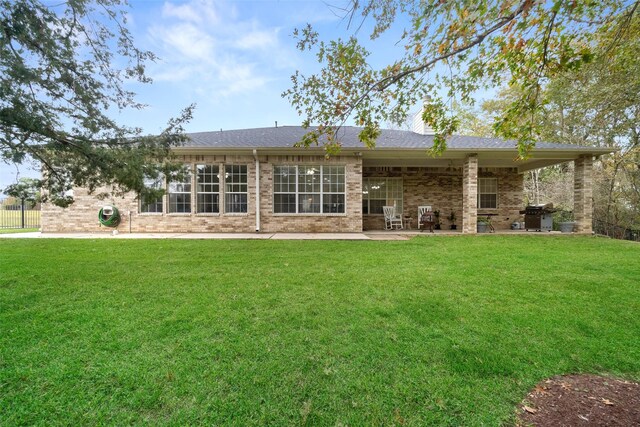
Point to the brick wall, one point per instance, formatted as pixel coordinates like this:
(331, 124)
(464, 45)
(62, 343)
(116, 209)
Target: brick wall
(470, 194)
(510, 196)
(82, 216)
(441, 188)
(350, 221)
(583, 194)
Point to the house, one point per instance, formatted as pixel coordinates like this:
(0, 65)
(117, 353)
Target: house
(255, 180)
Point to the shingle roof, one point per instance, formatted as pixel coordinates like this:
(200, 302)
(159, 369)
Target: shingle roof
(287, 136)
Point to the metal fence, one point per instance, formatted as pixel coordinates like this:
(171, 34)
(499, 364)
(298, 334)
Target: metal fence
(15, 213)
(615, 231)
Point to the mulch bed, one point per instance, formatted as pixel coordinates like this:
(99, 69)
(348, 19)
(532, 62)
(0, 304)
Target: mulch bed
(581, 400)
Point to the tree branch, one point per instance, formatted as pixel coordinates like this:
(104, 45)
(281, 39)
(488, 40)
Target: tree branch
(387, 82)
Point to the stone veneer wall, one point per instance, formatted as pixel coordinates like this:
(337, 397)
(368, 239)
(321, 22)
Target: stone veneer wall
(441, 188)
(82, 216)
(583, 194)
(470, 194)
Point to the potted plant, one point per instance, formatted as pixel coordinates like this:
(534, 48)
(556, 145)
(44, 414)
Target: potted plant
(452, 220)
(566, 221)
(436, 214)
(483, 224)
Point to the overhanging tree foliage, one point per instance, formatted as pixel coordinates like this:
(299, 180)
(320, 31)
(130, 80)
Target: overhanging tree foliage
(63, 69)
(450, 49)
(597, 105)
(26, 189)
(600, 105)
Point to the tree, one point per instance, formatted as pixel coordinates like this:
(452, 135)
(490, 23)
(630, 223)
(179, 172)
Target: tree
(450, 49)
(25, 189)
(473, 121)
(598, 105)
(63, 69)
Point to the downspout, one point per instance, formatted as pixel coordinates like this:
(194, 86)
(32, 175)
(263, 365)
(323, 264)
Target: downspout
(255, 156)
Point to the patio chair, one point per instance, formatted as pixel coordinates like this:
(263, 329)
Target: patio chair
(391, 219)
(425, 218)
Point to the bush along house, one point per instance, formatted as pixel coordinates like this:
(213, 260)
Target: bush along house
(254, 180)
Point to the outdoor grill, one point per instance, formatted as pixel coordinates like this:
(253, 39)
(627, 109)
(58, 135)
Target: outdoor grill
(538, 217)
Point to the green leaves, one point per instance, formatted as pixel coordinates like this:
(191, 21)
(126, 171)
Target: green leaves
(327, 99)
(447, 51)
(62, 67)
(25, 189)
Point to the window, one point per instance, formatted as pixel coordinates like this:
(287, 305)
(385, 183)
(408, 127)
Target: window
(487, 193)
(284, 189)
(152, 205)
(379, 192)
(180, 195)
(333, 189)
(309, 189)
(235, 194)
(207, 189)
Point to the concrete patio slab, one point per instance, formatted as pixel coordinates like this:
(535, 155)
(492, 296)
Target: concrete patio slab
(368, 235)
(252, 236)
(201, 236)
(38, 235)
(387, 236)
(319, 236)
(29, 235)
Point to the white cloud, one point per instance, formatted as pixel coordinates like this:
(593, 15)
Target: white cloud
(210, 48)
(186, 40)
(258, 39)
(240, 77)
(196, 11)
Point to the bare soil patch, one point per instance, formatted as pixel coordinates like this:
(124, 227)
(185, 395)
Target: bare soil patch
(581, 400)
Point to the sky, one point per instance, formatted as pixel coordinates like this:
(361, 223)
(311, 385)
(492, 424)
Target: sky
(233, 59)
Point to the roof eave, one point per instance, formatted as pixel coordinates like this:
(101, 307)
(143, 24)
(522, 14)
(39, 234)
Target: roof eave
(561, 153)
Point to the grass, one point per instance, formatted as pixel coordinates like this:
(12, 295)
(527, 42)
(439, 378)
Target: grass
(10, 218)
(432, 331)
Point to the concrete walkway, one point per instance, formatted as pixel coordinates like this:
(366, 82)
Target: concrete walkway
(368, 235)
(273, 236)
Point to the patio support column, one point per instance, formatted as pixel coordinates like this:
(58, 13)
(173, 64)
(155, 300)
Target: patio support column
(582, 193)
(470, 194)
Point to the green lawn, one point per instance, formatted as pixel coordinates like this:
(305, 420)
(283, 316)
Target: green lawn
(432, 331)
(14, 218)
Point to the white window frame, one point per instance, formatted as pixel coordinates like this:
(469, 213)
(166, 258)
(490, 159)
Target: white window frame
(324, 172)
(158, 184)
(235, 186)
(178, 188)
(292, 172)
(215, 173)
(334, 188)
(393, 189)
(487, 186)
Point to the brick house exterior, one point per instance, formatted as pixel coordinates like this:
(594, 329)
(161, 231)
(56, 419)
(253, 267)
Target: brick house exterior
(264, 184)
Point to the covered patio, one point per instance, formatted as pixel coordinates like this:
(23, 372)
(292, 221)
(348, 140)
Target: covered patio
(467, 182)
